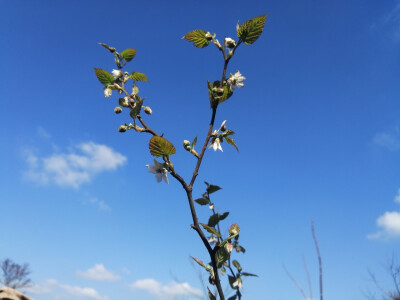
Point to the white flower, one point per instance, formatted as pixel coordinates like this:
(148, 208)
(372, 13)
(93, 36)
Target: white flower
(238, 283)
(159, 170)
(107, 92)
(230, 43)
(213, 239)
(236, 81)
(216, 144)
(117, 73)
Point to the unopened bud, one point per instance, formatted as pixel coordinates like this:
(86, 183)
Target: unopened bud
(186, 145)
(208, 36)
(124, 102)
(148, 110)
(118, 110)
(229, 43)
(117, 73)
(228, 247)
(122, 128)
(116, 86)
(223, 127)
(234, 229)
(220, 91)
(211, 206)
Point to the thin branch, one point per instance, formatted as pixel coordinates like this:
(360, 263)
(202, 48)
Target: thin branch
(296, 283)
(308, 277)
(321, 294)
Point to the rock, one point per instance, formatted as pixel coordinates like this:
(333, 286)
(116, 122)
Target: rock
(7, 293)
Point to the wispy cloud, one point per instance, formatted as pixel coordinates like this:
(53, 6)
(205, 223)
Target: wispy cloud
(84, 292)
(40, 289)
(388, 140)
(389, 224)
(99, 273)
(101, 205)
(165, 291)
(74, 168)
(391, 21)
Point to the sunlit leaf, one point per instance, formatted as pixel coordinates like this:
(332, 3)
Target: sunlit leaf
(103, 76)
(237, 265)
(221, 256)
(194, 142)
(198, 37)
(210, 230)
(251, 30)
(212, 188)
(128, 54)
(138, 76)
(160, 146)
(230, 141)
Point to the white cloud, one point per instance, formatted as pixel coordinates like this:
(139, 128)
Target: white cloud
(40, 289)
(74, 168)
(100, 273)
(167, 291)
(387, 140)
(85, 292)
(389, 224)
(99, 203)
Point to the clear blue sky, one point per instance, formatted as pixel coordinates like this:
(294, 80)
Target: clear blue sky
(317, 125)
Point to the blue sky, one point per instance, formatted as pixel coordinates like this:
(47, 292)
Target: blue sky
(317, 125)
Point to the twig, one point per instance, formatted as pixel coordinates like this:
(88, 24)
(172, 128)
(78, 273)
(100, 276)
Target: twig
(321, 294)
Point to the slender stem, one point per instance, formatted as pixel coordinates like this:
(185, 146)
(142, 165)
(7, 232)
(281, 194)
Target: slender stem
(321, 294)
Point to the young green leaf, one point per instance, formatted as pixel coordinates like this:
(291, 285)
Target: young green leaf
(198, 37)
(230, 141)
(135, 111)
(213, 220)
(194, 142)
(199, 262)
(233, 297)
(221, 256)
(240, 249)
(251, 30)
(160, 146)
(128, 54)
(223, 216)
(103, 76)
(202, 201)
(111, 49)
(212, 188)
(231, 281)
(138, 76)
(237, 265)
(210, 230)
(249, 274)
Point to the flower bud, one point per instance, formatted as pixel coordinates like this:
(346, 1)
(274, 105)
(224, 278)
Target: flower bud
(220, 91)
(208, 36)
(228, 247)
(124, 102)
(118, 110)
(186, 145)
(234, 229)
(223, 127)
(122, 128)
(107, 92)
(116, 86)
(229, 43)
(211, 206)
(117, 73)
(148, 110)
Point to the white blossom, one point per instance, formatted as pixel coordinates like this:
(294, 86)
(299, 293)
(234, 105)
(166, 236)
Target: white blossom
(107, 92)
(236, 80)
(216, 144)
(238, 283)
(213, 239)
(230, 43)
(159, 171)
(117, 73)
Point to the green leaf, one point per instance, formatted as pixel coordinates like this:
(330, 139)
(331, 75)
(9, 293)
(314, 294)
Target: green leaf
(202, 201)
(199, 262)
(210, 295)
(128, 54)
(223, 216)
(240, 249)
(212, 92)
(251, 30)
(138, 76)
(210, 230)
(237, 265)
(103, 76)
(159, 146)
(213, 220)
(223, 270)
(230, 141)
(221, 256)
(194, 142)
(212, 188)
(233, 297)
(249, 274)
(198, 37)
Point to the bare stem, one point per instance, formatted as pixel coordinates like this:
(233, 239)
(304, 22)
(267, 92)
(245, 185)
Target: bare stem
(321, 294)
